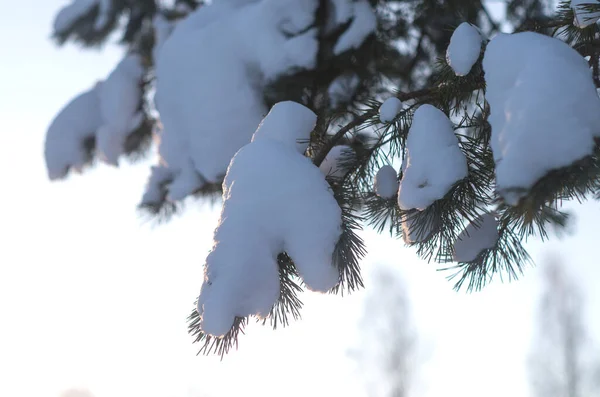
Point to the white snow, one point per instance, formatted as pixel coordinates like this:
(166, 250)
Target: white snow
(211, 101)
(364, 23)
(386, 182)
(389, 109)
(301, 218)
(120, 98)
(479, 235)
(544, 109)
(333, 163)
(435, 161)
(582, 17)
(464, 48)
(75, 123)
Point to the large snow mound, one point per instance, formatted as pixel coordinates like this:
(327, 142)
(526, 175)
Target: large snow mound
(275, 200)
(479, 235)
(210, 100)
(435, 160)
(464, 48)
(77, 122)
(545, 110)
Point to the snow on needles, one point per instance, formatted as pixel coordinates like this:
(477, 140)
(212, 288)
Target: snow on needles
(435, 160)
(464, 48)
(300, 217)
(583, 18)
(545, 111)
(479, 235)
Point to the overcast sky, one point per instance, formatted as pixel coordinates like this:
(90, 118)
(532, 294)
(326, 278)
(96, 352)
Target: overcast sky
(93, 298)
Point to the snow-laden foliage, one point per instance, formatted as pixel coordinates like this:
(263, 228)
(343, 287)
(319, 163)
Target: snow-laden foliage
(435, 161)
(464, 48)
(103, 119)
(507, 126)
(264, 40)
(70, 133)
(301, 218)
(480, 234)
(544, 109)
(584, 18)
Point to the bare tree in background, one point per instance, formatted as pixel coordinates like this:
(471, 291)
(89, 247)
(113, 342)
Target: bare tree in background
(388, 339)
(562, 359)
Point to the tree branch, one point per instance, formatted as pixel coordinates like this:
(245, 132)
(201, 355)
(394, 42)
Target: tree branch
(358, 120)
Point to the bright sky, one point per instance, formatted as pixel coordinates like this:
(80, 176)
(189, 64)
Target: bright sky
(91, 297)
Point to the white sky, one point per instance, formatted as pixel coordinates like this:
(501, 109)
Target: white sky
(92, 297)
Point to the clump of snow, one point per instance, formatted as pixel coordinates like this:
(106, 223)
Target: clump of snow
(120, 99)
(435, 160)
(533, 132)
(464, 48)
(364, 23)
(389, 109)
(479, 235)
(73, 125)
(386, 182)
(583, 18)
(78, 9)
(211, 101)
(301, 218)
(342, 89)
(333, 165)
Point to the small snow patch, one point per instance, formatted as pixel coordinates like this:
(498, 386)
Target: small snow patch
(386, 182)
